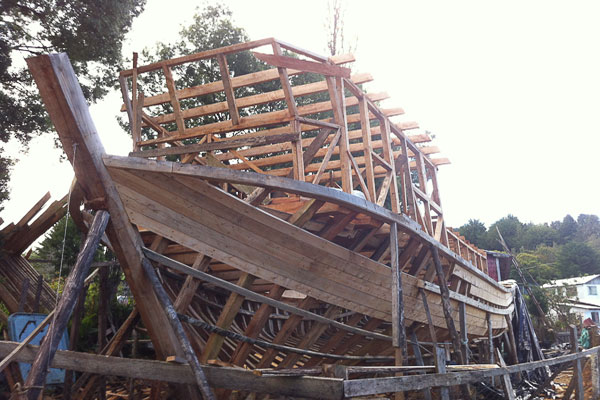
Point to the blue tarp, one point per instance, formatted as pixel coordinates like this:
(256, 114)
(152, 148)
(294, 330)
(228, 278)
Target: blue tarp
(20, 325)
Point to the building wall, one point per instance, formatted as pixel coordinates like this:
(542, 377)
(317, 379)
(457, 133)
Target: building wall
(589, 292)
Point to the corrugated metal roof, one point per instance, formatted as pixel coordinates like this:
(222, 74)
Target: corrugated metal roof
(580, 280)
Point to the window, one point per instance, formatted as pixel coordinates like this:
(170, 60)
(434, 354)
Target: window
(592, 290)
(595, 317)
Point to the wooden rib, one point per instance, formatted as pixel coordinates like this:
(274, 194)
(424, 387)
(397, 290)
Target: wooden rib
(174, 100)
(228, 88)
(286, 330)
(33, 211)
(388, 156)
(137, 137)
(303, 65)
(337, 101)
(317, 177)
(230, 310)
(365, 125)
(310, 337)
(190, 286)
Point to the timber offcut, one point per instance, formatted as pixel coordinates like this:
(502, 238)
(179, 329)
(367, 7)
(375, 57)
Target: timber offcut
(265, 222)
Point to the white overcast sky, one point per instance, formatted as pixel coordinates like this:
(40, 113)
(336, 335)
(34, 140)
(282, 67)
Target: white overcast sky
(511, 89)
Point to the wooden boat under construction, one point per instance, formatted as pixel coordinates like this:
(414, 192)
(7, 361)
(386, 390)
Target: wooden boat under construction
(289, 228)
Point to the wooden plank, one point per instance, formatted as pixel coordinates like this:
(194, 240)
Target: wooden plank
(228, 88)
(303, 65)
(302, 188)
(366, 387)
(73, 285)
(419, 360)
(223, 377)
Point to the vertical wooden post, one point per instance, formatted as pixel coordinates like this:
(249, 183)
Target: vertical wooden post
(440, 357)
(73, 287)
(464, 338)
(102, 323)
(398, 331)
(490, 343)
(577, 368)
(338, 103)
(595, 367)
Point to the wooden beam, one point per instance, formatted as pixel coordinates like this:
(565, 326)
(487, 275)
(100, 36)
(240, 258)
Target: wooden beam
(303, 65)
(399, 334)
(69, 112)
(509, 393)
(229, 95)
(223, 377)
(285, 82)
(73, 286)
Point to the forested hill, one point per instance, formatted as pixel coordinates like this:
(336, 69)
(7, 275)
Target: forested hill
(560, 249)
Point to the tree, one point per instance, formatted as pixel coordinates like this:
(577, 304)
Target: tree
(533, 235)
(336, 36)
(474, 231)
(567, 229)
(91, 32)
(577, 258)
(510, 227)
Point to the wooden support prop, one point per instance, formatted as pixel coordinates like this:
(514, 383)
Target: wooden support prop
(190, 356)
(303, 65)
(490, 343)
(464, 338)
(419, 359)
(399, 334)
(509, 393)
(103, 309)
(73, 286)
(440, 362)
(38, 293)
(577, 364)
(511, 338)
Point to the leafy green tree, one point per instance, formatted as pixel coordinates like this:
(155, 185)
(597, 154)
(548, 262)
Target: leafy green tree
(533, 235)
(567, 229)
(91, 32)
(588, 227)
(576, 259)
(475, 232)
(510, 227)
